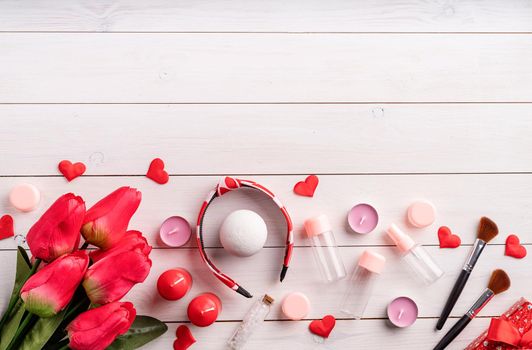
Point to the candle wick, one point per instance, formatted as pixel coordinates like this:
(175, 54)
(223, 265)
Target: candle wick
(401, 312)
(173, 231)
(362, 219)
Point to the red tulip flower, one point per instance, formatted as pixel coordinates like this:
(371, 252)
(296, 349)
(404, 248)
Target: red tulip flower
(132, 240)
(109, 279)
(49, 290)
(106, 222)
(57, 231)
(97, 328)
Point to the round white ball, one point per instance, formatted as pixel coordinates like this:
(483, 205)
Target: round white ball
(243, 233)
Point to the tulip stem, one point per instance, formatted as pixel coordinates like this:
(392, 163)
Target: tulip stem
(34, 267)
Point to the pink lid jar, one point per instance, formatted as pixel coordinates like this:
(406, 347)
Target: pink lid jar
(365, 274)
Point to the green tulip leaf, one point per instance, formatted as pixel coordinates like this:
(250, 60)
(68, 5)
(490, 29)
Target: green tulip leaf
(143, 330)
(22, 273)
(10, 328)
(9, 323)
(24, 255)
(39, 334)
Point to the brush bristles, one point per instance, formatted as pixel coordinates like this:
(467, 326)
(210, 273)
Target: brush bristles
(487, 229)
(499, 281)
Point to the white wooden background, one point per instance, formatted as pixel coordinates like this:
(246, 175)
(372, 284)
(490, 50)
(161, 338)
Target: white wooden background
(387, 101)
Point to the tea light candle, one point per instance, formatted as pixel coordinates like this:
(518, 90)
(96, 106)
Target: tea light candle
(175, 231)
(363, 218)
(402, 312)
(421, 214)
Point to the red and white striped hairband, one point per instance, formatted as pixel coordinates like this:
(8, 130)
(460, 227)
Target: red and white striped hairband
(225, 185)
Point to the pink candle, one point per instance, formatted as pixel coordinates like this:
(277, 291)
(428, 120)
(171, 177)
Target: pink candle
(175, 231)
(363, 218)
(402, 312)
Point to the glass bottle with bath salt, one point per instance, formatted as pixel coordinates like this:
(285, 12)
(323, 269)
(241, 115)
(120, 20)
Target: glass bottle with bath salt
(251, 322)
(361, 285)
(420, 262)
(325, 250)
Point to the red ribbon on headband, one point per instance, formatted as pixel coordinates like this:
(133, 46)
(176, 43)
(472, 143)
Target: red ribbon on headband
(504, 331)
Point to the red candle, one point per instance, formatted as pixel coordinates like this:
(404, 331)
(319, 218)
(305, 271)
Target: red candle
(204, 309)
(174, 284)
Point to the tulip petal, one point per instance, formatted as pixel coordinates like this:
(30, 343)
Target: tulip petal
(57, 231)
(50, 289)
(97, 328)
(132, 240)
(111, 278)
(106, 222)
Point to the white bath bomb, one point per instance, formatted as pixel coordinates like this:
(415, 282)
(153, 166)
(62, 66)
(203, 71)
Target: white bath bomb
(243, 233)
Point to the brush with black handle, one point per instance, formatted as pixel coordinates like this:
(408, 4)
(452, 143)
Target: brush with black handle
(487, 230)
(499, 282)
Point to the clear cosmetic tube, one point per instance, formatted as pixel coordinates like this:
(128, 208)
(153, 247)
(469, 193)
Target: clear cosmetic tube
(325, 250)
(361, 285)
(421, 263)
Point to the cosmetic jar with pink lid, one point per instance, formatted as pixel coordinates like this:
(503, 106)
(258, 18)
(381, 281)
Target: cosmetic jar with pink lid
(326, 252)
(421, 263)
(365, 274)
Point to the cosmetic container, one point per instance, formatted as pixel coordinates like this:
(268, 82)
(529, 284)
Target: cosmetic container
(421, 263)
(252, 320)
(325, 250)
(361, 285)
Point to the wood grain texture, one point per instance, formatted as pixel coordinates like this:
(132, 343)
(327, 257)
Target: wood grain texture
(346, 335)
(460, 201)
(269, 16)
(272, 68)
(260, 274)
(268, 139)
(387, 101)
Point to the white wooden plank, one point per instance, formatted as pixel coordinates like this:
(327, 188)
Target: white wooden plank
(460, 201)
(293, 16)
(267, 139)
(366, 334)
(264, 68)
(260, 274)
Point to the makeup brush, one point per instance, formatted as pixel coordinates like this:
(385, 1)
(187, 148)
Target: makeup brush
(499, 282)
(487, 230)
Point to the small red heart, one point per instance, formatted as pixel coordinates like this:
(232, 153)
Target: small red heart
(514, 247)
(184, 338)
(447, 239)
(156, 171)
(323, 327)
(6, 227)
(71, 171)
(307, 187)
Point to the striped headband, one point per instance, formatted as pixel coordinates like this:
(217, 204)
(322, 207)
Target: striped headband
(225, 185)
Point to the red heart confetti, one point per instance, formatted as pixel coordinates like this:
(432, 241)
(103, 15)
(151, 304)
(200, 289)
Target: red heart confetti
(447, 239)
(184, 338)
(323, 327)
(156, 171)
(514, 247)
(308, 187)
(6, 227)
(71, 171)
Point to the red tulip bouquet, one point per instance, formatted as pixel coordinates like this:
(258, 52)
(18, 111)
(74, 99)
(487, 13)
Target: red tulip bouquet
(67, 298)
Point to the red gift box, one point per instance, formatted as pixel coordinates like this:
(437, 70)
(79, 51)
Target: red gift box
(510, 331)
